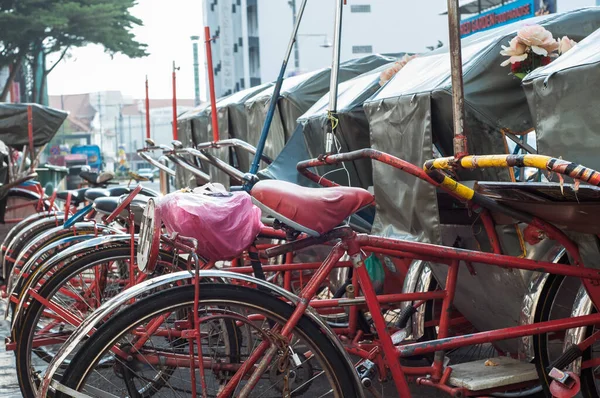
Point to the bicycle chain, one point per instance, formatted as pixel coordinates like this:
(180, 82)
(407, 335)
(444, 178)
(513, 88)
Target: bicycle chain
(283, 364)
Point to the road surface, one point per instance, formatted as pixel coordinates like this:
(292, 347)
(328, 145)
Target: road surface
(9, 388)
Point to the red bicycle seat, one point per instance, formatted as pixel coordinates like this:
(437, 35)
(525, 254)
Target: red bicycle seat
(314, 211)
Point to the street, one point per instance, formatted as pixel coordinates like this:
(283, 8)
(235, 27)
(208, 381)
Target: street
(9, 388)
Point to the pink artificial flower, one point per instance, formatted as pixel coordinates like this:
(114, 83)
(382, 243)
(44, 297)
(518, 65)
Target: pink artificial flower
(565, 44)
(538, 38)
(517, 52)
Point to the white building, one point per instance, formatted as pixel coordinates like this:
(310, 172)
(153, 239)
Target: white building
(568, 5)
(252, 35)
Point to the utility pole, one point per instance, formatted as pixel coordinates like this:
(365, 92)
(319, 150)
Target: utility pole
(62, 128)
(117, 138)
(131, 146)
(175, 69)
(100, 121)
(292, 4)
(195, 40)
(147, 103)
(143, 129)
(121, 132)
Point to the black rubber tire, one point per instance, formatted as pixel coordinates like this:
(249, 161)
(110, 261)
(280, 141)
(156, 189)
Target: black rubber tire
(540, 342)
(30, 235)
(30, 318)
(168, 300)
(588, 379)
(65, 233)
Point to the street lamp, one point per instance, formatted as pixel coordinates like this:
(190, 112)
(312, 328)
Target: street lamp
(326, 42)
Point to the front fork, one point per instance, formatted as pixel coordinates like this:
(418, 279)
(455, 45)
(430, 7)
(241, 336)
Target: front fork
(358, 260)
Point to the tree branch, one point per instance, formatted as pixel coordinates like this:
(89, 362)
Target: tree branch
(58, 61)
(11, 77)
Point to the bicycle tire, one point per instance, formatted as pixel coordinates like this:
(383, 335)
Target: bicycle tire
(28, 235)
(540, 342)
(32, 313)
(221, 295)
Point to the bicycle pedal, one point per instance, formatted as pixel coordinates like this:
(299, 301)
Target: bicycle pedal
(364, 369)
(368, 385)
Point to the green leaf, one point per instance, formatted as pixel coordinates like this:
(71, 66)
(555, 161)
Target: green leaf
(520, 75)
(53, 25)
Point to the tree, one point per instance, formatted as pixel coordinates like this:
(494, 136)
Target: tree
(33, 29)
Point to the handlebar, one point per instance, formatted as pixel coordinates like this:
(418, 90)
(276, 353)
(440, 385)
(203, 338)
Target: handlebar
(328, 160)
(201, 153)
(432, 173)
(156, 163)
(154, 147)
(218, 163)
(181, 162)
(541, 162)
(236, 143)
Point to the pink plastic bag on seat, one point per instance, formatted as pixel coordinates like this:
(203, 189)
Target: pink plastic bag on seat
(224, 223)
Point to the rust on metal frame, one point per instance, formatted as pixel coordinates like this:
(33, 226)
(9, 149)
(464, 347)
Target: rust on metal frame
(458, 97)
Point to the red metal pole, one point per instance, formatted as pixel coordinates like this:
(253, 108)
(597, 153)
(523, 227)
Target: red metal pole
(211, 84)
(174, 101)
(147, 110)
(30, 135)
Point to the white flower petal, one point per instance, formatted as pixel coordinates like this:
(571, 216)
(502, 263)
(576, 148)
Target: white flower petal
(539, 50)
(518, 58)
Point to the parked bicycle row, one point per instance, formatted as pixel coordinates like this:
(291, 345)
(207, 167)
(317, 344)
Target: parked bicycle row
(282, 273)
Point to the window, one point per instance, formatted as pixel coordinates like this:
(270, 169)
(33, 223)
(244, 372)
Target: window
(362, 49)
(360, 8)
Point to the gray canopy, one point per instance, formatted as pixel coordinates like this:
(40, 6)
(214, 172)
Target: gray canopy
(14, 126)
(234, 107)
(352, 131)
(195, 127)
(190, 126)
(565, 105)
(414, 111)
(298, 94)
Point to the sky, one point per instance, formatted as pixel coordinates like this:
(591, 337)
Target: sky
(168, 25)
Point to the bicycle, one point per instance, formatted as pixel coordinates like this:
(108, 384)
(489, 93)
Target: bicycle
(276, 349)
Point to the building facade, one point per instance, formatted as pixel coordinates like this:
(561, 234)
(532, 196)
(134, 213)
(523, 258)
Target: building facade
(115, 122)
(251, 36)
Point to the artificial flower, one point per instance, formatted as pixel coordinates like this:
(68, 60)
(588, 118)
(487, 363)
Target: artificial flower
(538, 38)
(517, 52)
(565, 44)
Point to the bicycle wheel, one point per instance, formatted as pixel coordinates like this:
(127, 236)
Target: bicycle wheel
(26, 236)
(556, 302)
(14, 231)
(79, 287)
(309, 365)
